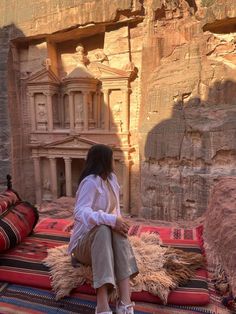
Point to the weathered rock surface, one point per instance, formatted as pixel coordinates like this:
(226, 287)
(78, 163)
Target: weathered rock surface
(183, 100)
(188, 112)
(221, 237)
(46, 16)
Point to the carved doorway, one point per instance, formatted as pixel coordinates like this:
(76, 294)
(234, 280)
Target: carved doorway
(76, 168)
(61, 179)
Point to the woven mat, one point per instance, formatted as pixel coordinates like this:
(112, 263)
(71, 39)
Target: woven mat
(20, 299)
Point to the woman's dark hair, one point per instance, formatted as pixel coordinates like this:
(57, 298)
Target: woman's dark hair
(98, 162)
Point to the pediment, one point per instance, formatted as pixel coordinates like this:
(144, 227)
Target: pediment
(72, 142)
(43, 76)
(106, 72)
(80, 72)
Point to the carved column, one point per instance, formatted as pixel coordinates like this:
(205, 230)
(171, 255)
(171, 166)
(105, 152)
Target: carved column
(32, 111)
(85, 101)
(53, 176)
(126, 184)
(68, 162)
(98, 97)
(49, 111)
(62, 113)
(126, 111)
(37, 176)
(92, 110)
(71, 111)
(106, 109)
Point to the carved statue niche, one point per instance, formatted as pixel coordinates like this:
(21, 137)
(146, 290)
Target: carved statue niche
(41, 112)
(56, 110)
(116, 102)
(66, 115)
(79, 110)
(92, 110)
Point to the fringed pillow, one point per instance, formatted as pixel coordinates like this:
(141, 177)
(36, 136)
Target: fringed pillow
(16, 222)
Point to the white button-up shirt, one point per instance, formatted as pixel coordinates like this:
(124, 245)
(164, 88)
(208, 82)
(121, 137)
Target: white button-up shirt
(92, 206)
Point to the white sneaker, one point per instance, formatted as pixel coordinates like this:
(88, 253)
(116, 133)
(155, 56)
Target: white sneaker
(121, 308)
(108, 312)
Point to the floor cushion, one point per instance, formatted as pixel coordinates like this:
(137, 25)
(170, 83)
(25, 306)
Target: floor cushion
(54, 224)
(16, 223)
(7, 199)
(23, 264)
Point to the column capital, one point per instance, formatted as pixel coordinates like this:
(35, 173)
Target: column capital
(124, 161)
(105, 91)
(30, 94)
(127, 90)
(48, 93)
(67, 158)
(36, 157)
(85, 92)
(51, 157)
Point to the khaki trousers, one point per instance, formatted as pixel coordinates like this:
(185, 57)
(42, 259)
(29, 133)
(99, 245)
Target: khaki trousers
(110, 255)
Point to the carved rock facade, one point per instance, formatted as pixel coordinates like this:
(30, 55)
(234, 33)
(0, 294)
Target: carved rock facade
(89, 104)
(155, 79)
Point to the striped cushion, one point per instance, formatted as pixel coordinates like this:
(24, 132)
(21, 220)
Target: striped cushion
(16, 223)
(7, 199)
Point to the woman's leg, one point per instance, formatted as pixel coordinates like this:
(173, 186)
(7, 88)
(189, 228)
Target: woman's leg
(124, 291)
(102, 299)
(95, 249)
(103, 266)
(125, 265)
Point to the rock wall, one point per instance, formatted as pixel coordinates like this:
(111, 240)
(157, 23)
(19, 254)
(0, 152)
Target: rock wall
(220, 237)
(188, 111)
(4, 120)
(183, 110)
(46, 16)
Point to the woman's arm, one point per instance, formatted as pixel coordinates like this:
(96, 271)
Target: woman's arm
(83, 207)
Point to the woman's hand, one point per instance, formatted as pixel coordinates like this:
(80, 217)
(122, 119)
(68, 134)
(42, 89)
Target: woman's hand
(121, 226)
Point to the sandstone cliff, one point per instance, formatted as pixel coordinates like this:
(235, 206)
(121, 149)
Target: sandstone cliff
(182, 105)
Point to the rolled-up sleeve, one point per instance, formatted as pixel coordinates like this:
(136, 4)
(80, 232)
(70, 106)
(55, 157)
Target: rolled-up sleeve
(83, 208)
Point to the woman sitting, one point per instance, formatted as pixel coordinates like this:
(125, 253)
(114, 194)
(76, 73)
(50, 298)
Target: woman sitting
(99, 237)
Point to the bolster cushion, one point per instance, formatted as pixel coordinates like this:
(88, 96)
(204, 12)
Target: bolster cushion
(16, 223)
(8, 198)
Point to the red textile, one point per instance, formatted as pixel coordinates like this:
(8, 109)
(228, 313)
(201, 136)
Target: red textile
(7, 199)
(23, 264)
(16, 223)
(54, 224)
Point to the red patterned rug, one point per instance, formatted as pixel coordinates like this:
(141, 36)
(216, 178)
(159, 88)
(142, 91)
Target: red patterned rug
(23, 264)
